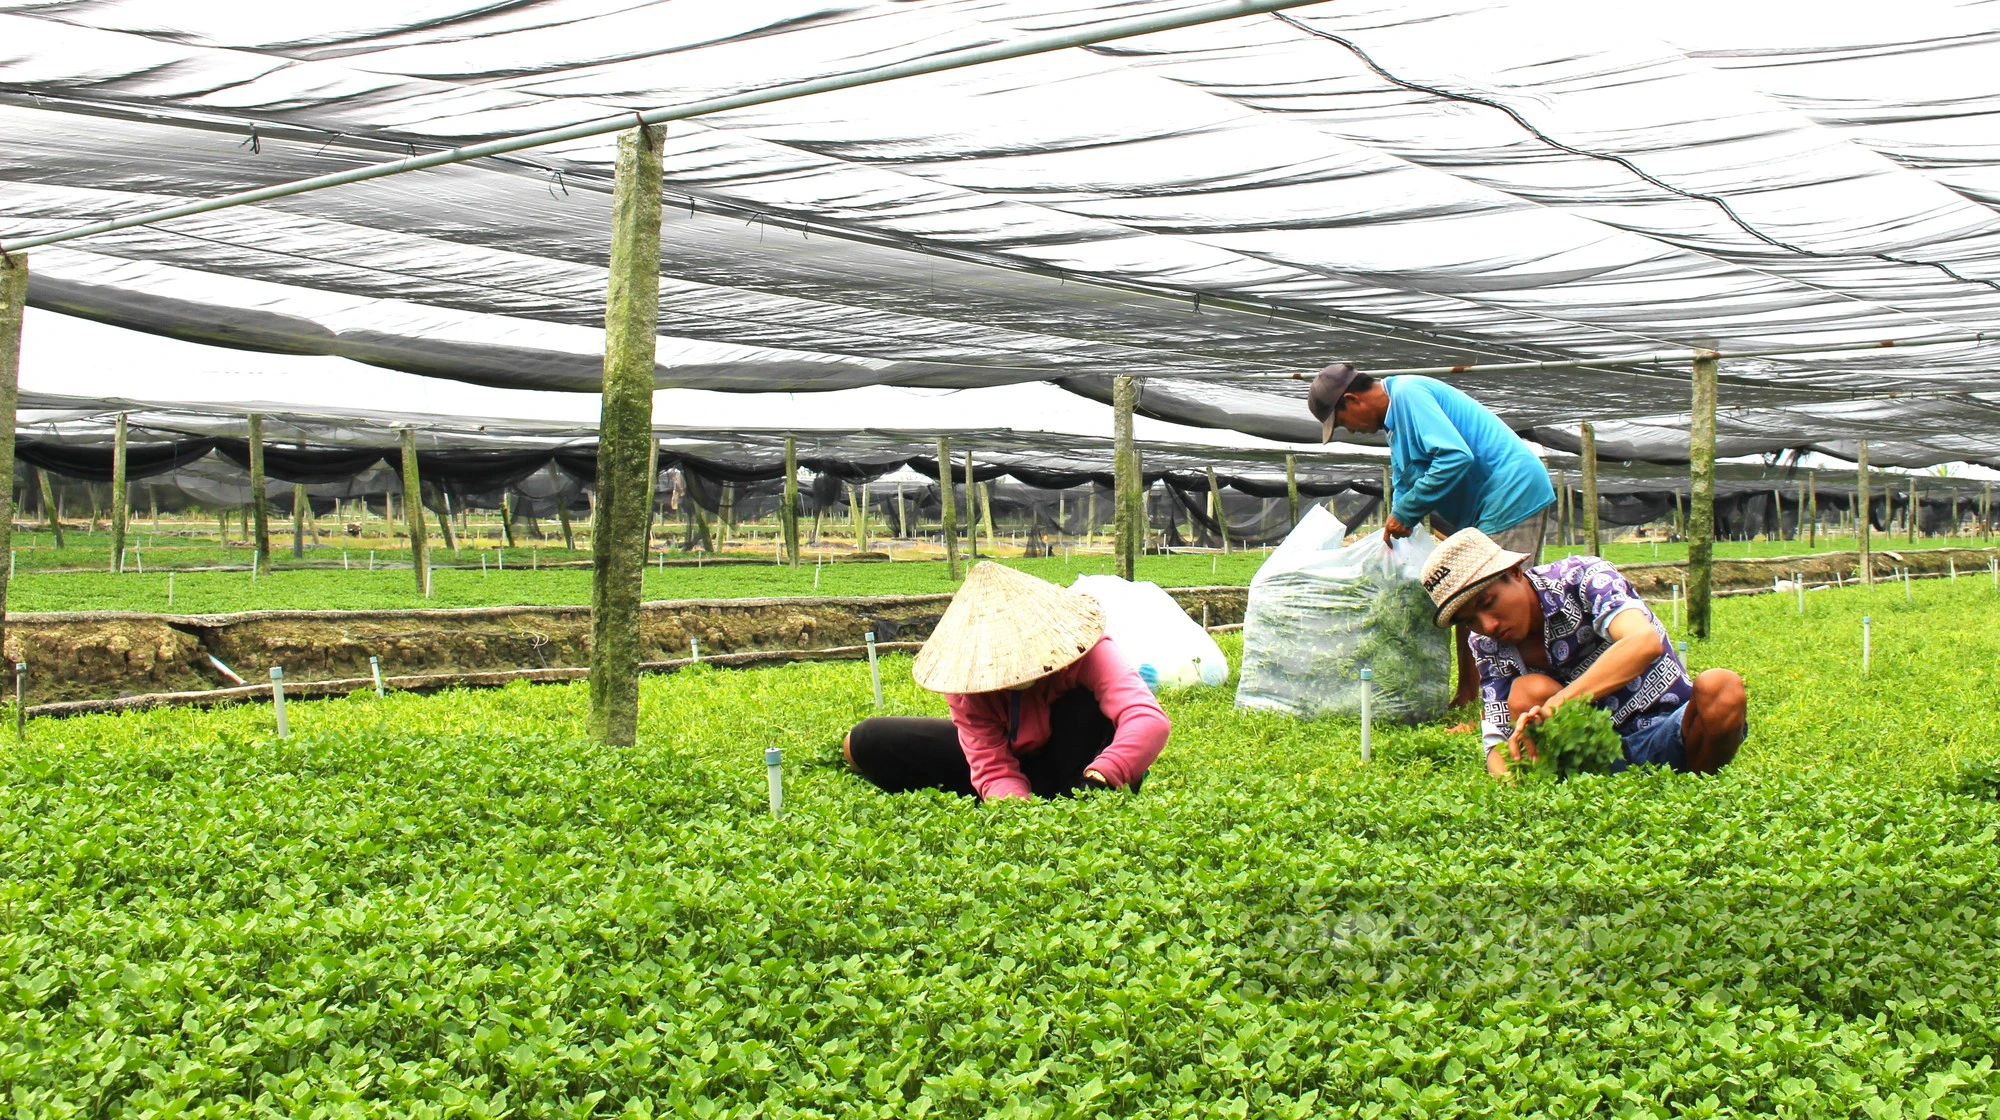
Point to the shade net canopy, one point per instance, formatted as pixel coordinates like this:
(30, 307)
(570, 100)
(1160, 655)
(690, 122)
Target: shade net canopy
(1397, 184)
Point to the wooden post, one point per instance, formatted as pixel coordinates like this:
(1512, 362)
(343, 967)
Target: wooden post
(1388, 493)
(902, 516)
(153, 493)
(1564, 522)
(413, 511)
(444, 523)
(857, 506)
(1292, 488)
(13, 302)
(1862, 522)
(1812, 509)
(948, 503)
(507, 519)
(627, 464)
(1910, 516)
(1986, 512)
(1215, 508)
(986, 516)
(727, 514)
(298, 520)
(260, 522)
(54, 510)
(626, 449)
(562, 516)
(1701, 495)
(1125, 475)
(971, 509)
(1590, 526)
(789, 516)
(119, 496)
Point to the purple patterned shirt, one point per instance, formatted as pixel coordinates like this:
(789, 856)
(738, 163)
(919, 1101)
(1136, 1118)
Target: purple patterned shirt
(1580, 596)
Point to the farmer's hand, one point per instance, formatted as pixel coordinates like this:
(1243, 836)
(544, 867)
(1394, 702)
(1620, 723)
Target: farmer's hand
(1519, 743)
(1394, 529)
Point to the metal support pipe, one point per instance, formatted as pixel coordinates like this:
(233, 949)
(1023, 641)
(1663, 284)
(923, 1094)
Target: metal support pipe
(1701, 494)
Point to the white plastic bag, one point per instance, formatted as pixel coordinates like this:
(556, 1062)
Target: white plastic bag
(1321, 611)
(1169, 649)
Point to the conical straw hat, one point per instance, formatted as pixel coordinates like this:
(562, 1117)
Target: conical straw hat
(1006, 628)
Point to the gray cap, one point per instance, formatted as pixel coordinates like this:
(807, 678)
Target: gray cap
(1323, 399)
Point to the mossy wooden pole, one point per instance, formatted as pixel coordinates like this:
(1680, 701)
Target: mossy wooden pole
(260, 522)
(1701, 495)
(1862, 522)
(1986, 512)
(626, 445)
(507, 519)
(1388, 493)
(1125, 468)
(986, 516)
(1292, 488)
(413, 511)
(13, 301)
(1590, 526)
(1809, 510)
(54, 509)
(789, 516)
(1215, 509)
(298, 520)
(947, 508)
(652, 485)
(119, 496)
(444, 523)
(1911, 515)
(857, 505)
(971, 509)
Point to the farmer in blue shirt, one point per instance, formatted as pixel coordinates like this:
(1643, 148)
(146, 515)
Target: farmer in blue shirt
(1449, 459)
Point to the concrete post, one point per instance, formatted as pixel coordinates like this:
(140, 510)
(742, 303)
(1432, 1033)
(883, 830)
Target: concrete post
(1701, 495)
(626, 446)
(120, 497)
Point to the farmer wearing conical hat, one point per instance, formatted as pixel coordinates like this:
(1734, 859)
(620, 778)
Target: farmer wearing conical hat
(1042, 702)
(1543, 636)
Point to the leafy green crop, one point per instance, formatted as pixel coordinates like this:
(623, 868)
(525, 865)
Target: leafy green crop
(1976, 778)
(1578, 739)
(454, 905)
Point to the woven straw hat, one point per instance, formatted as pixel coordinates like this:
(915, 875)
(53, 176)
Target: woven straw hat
(1467, 561)
(1006, 628)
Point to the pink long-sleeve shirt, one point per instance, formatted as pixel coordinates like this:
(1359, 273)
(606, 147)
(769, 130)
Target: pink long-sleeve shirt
(982, 719)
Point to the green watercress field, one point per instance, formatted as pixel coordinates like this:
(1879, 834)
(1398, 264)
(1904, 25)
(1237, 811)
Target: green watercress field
(455, 906)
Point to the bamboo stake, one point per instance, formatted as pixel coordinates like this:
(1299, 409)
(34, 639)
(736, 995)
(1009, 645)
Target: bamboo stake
(1701, 495)
(621, 529)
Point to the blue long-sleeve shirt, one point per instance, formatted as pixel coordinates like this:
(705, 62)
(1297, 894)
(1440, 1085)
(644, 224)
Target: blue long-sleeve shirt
(1448, 455)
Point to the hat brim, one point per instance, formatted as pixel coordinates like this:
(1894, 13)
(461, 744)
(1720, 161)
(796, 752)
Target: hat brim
(1498, 565)
(1327, 426)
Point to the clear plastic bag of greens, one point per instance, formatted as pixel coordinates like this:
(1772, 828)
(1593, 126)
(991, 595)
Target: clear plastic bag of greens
(1321, 611)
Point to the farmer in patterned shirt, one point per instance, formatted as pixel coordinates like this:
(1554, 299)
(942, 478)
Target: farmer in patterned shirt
(1545, 635)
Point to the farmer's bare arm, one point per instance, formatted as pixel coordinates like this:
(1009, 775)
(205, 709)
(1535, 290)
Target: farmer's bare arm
(1634, 646)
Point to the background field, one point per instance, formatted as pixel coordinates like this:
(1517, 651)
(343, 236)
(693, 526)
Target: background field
(453, 905)
(84, 585)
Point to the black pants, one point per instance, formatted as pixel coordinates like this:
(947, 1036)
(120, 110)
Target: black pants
(899, 753)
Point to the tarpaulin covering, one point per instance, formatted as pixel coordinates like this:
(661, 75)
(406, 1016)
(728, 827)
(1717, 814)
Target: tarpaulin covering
(1413, 183)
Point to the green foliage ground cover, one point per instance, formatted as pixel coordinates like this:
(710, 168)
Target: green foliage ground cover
(451, 905)
(359, 589)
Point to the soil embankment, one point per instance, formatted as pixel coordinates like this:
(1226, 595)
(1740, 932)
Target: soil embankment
(104, 656)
